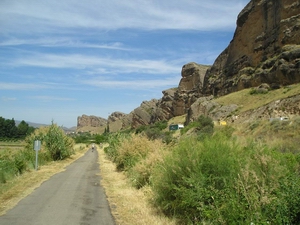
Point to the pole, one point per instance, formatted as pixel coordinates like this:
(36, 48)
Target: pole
(36, 159)
(37, 147)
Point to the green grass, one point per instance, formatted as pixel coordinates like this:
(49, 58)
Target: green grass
(219, 181)
(247, 101)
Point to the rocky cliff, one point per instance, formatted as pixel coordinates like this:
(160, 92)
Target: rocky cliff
(119, 121)
(265, 49)
(90, 121)
(175, 101)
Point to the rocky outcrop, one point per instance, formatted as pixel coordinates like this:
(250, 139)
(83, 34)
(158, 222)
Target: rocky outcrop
(177, 101)
(208, 107)
(264, 53)
(143, 115)
(90, 121)
(265, 49)
(119, 121)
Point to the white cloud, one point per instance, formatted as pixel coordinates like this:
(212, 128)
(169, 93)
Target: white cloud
(8, 99)
(62, 42)
(114, 14)
(98, 64)
(21, 86)
(137, 84)
(51, 98)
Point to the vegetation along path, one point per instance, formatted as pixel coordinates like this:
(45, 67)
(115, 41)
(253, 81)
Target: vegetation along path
(70, 197)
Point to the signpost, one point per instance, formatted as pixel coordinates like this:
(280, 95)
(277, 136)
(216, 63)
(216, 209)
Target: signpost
(37, 147)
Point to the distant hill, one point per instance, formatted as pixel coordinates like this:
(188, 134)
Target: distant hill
(38, 125)
(35, 125)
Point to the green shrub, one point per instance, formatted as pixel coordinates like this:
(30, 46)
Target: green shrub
(20, 163)
(192, 177)
(217, 181)
(55, 144)
(203, 127)
(2, 177)
(114, 140)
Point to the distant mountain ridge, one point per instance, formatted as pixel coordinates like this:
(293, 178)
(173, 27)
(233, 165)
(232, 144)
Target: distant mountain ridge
(32, 124)
(38, 125)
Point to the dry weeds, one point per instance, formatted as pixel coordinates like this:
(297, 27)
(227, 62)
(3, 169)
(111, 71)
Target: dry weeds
(129, 205)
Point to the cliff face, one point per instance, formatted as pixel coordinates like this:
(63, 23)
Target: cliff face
(265, 49)
(177, 101)
(90, 121)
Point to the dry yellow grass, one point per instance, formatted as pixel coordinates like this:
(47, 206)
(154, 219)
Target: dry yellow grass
(15, 190)
(129, 205)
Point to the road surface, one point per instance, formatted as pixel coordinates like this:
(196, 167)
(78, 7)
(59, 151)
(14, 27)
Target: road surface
(71, 197)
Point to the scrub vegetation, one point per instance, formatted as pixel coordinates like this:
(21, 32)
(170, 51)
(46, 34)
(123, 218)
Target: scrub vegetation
(55, 146)
(212, 174)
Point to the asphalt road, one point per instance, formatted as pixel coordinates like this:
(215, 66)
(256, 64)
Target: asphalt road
(71, 197)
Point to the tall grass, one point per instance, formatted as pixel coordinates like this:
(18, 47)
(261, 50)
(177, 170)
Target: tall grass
(137, 156)
(218, 181)
(14, 163)
(55, 146)
(217, 178)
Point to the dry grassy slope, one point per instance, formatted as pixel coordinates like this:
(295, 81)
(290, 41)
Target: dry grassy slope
(246, 101)
(93, 130)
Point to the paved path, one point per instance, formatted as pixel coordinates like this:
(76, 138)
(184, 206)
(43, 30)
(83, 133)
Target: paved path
(68, 198)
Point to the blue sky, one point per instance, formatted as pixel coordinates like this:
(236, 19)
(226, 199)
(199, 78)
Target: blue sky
(60, 59)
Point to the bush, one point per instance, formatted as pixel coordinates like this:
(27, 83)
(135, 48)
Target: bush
(141, 172)
(136, 155)
(131, 150)
(203, 127)
(12, 165)
(55, 144)
(114, 140)
(217, 181)
(156, 131)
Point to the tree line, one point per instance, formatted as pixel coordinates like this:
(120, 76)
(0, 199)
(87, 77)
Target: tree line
(9, 129)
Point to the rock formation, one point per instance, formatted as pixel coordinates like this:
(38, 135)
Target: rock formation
(265, 49)
(144, 113)
(264, 53)
(206, 106)
(177, 101)
(90, 121)
(119, 121)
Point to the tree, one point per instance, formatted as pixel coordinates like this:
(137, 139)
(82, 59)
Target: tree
(23, 129)
(57, 143)
(2, 128)
(10, 128)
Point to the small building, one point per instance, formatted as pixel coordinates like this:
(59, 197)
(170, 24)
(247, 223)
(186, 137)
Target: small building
(176, 126)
